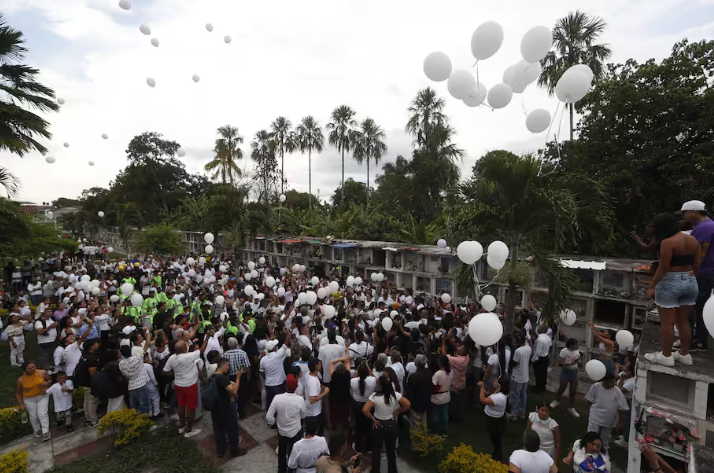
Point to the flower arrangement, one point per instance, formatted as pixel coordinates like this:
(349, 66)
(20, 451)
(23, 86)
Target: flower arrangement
(463, 459)
(426, 443)
(15, 461)
(126, 425)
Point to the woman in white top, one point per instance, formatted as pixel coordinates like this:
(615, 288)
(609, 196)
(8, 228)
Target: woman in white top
(586, 456)
(532, 459)
(547, 429)
(387, 406)
(362, 387)
(441, 396)
(495, 411)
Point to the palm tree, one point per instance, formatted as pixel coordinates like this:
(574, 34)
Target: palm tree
(368, 144)
(340, 127)
(263, 149)
(284, 138)
(227, 151)
(19, 127)
(9, 182)
(309, 137)
(425, 113)
(573, 43)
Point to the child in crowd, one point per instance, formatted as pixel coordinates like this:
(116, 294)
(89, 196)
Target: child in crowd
(155, 412)
(605, 404)
(61, 393)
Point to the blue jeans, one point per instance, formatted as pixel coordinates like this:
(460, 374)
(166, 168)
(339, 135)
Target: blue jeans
(139, 399)
(518, 397)
(677, 289)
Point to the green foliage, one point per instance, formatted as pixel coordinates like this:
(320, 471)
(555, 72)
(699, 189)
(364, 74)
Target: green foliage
(354, 192)
(25, 234)
(299, 200)
(426, 443)
(126, 425)
(15, 461)
(161, 240)
(11, 426)
(462, 459)
(227, 152)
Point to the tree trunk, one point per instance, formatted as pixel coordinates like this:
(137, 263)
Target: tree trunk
(309, 177)
(343, 174)
(512, 290)
(368, 181)
(282, 171)
(572, 108)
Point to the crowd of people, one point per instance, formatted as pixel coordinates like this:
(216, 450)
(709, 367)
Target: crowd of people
(336, 373)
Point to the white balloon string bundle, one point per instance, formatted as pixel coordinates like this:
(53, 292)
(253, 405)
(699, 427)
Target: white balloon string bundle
(523, 105)
(478, 287)
(556, 138)
(555, 114)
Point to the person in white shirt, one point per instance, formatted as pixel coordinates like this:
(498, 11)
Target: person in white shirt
(329, 352)
(519, 376)
(314, 392)
(395, 362)
(495, 411)
(46, 339)
(304, 337)
(360, 349)
(61, 393)
(153, 387)
(531, 459)
(308, 450)
(541, 352)
(183, 365)
(287, 410)
(626, 384)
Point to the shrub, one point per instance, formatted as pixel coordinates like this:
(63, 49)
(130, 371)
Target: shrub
(463, 459)
(15, 461)
(426, 443)
(126, 425)
(11, 424)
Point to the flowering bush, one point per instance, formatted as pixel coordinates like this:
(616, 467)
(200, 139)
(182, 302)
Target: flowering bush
(11, 424)
(426, 443)
(15, 461)
(126, 425)
(463, 459)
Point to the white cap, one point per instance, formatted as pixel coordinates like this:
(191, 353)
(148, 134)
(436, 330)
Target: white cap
(128, 329)
(271, 345)
(693, 205)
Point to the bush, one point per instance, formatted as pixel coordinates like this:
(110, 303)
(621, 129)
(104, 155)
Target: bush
(426, 443)
(463, 459)
(11, 426)
(15, 461)
(126, 425)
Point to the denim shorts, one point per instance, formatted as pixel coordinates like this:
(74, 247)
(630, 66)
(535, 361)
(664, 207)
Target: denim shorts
(676, 290)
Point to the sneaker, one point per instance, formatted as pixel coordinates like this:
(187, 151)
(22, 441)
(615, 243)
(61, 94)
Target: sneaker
(660, 359)
(192, 433)
(165, 405)
(384, 455)
(45, 437)
(554, 404)
(620, 442)
(38, 434)
(683, 359)
(175, 417)
(573, 413)
(238, 452)
(70, 428)
(699, 347)
(182, 429)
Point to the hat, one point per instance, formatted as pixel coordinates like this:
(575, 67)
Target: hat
(693, 205)
(291, 383)
(136, 265)
(128, 329)
(270, 346)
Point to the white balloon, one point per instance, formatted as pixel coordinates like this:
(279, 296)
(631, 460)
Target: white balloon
(358, 281)
(462, 84)
(254, 273)
(315, 281)
(329, 311)
(137, 300)
(625, 339)
(261, 260)
(110, 250)
(584, 68)
(469, 251)
(373, 276)
(155, 42)
(380, 277)
(151, 82)
(86, 278)
(334, 286)
(437, 66)
(66, 145)
(114, 298)
(530, 71)
(261, 296)
(486, 40)
(488, 302)
(536, 43)
(209, 249)
(251, 265)
(60, 101)
(282, 198)
(50, 159)
(95, 291)
(100, 213)
(145, 29)
(270, 281)
(209, 27)
(302, 268)
(350, 281)
(105, 136)
(302, 298)
(220, 300)
(500, 95)
(196, 78)
(538, 120)
(247, 276)
(227, 39)
(498, 250)
(191, 273)
(190, 261)
(572, 86)
(595, 369)
(222, 268)
(281, 291)
(208, 238)
(445, 298)
(494, 263)
(393, 314)
(477, 98)
(201, 260)
(568, 317)
(91, 163)
(311, 297)
(322, 293)
(125, 4)
(485, 329)
(248, 290)
(181, 152)
(441, 243)
(95, 283)
(387, 324)
(296, 267)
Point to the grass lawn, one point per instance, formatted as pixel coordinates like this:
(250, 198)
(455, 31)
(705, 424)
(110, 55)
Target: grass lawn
(472, 431)
(9, 375)
(161, 451)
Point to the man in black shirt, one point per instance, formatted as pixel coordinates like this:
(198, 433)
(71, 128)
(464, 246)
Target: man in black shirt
(419, 390)
(224, 415)
(86, 370)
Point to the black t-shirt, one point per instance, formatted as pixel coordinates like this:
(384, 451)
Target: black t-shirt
(82, 377)
(224, 397)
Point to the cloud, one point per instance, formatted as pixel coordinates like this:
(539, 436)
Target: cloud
(286, 59)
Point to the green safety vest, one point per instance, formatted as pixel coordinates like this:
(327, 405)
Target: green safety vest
(131, 312)
(231, 329)
(150, 303)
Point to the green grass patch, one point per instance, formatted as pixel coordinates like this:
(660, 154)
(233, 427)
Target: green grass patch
(10, 375)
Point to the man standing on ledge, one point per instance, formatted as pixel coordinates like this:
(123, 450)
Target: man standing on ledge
(695, 212)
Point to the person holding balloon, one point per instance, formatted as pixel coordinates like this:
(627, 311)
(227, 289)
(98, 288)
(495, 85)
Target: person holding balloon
(605, 406)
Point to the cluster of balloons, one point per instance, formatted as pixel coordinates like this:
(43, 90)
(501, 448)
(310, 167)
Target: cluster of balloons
(377, 277)
(469, 252)
(208, 238)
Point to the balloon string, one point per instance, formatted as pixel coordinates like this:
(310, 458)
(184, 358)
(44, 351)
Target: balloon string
(523, 106)
(552, 120)
(557, 143)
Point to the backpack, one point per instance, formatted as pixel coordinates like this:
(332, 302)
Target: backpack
(209, 394)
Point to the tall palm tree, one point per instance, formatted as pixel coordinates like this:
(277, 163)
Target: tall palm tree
(227, 151)
(9, 182)
(284, 139)
(309, 137)
(368, 144)
(573, 43)
(19, 91)
(425, 113)
(340, 127)
(263, 149)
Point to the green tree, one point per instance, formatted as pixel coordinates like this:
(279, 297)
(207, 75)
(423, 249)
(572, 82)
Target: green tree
(341, 127)
(574, 38)
(299, 200)
(395, 187)
(160, 240)
(309, 137)
(425, 113)
(9, 182)
(263, 149)
(21, 128)
(284, 139)
(369, 144)
(535, 213)
(353, 192)
(227, 151)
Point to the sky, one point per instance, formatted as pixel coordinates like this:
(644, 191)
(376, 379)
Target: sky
(292, 59)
